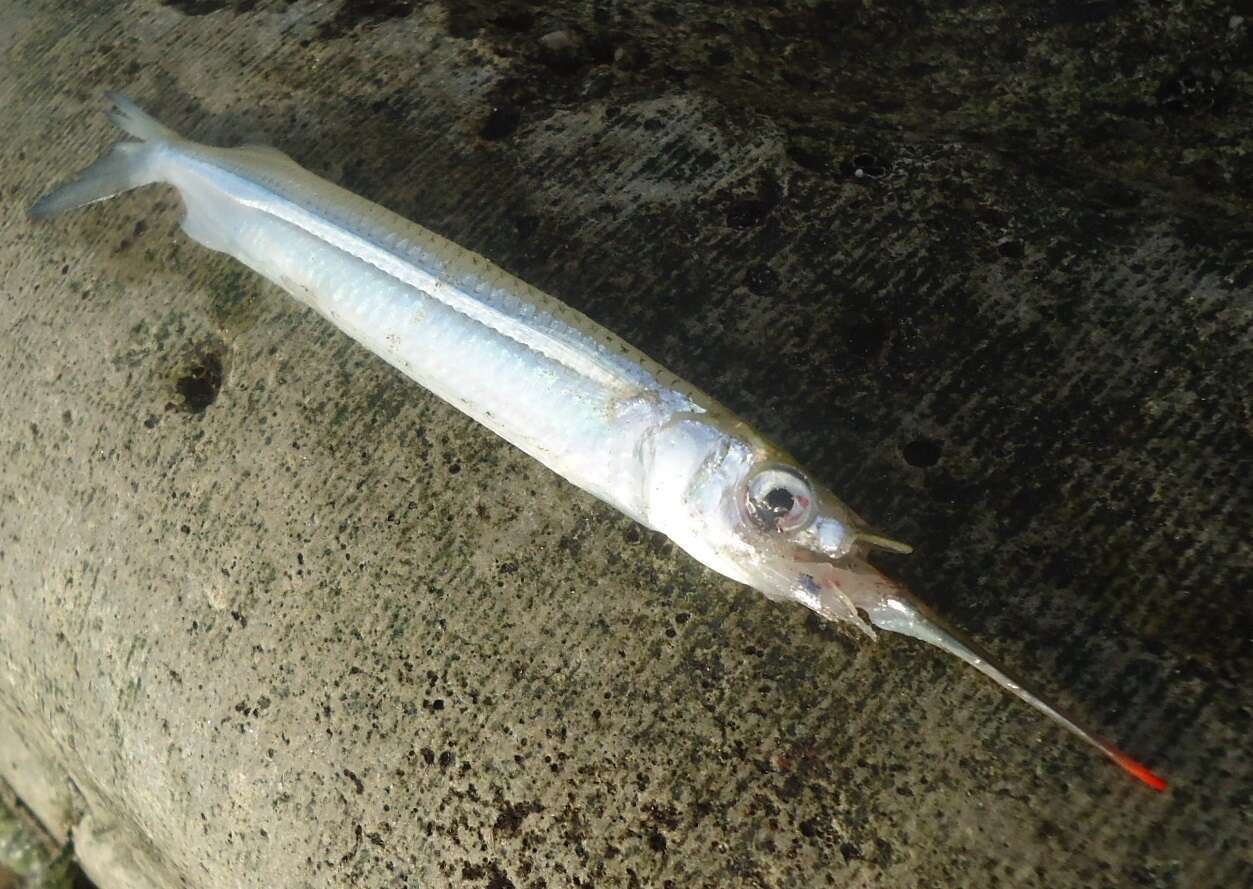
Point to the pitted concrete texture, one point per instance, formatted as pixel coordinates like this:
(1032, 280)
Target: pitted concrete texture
(274, 616)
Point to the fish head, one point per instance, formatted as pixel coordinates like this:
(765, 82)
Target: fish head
(748, 510)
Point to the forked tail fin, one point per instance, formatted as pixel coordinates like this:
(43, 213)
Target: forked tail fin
(127, 165)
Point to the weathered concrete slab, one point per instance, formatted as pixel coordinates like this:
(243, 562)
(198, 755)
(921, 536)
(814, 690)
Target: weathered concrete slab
(272, 616)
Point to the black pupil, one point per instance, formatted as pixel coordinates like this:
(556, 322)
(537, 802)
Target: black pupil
(780, 501)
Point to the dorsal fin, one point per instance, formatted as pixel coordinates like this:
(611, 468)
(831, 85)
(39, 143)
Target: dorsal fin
(265, 153)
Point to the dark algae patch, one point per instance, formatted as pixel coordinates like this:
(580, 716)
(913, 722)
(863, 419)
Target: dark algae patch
(1029, 83)
(204, 7)
(200, 384)
(353, 13)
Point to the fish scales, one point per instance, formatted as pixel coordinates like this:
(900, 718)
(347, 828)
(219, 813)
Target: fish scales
(544, 377)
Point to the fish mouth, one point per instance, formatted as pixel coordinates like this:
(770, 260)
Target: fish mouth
(846, 588)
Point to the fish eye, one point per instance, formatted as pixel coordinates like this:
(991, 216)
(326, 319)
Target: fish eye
(779, 499)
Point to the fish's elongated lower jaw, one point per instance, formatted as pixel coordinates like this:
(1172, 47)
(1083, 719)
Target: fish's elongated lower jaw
(892, 608)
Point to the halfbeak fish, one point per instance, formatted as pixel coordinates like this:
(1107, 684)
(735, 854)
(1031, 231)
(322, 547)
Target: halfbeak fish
(548, 379)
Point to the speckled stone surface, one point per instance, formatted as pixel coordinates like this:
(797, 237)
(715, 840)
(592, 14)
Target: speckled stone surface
(270, 615)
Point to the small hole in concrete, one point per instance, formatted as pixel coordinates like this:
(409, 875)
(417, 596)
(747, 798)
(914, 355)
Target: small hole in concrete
(762, 280)
(868, 338)
(922, 453)
(1011, 249)
(501, 123)
(865, 166)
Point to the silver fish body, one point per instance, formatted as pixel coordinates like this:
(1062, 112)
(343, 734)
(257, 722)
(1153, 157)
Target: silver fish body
(539, 374)
(557, 385)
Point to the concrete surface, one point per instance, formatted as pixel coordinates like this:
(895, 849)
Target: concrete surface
(273, 616)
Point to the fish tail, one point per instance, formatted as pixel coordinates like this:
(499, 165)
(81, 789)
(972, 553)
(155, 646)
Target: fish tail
(127, 165)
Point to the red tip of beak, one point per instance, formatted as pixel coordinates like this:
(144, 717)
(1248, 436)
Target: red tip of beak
(1138, 770)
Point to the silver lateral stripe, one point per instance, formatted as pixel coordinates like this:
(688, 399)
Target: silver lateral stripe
(543, 342)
